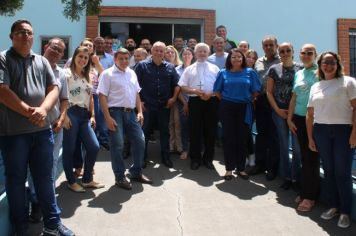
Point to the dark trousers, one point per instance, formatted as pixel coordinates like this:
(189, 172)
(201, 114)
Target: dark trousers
(203, 117)
(332, 143)
(235, 133)
(36, 151)
(158, 116)
(267, 145)
(310, 176)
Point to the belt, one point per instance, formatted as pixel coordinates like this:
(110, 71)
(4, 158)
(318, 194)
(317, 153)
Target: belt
(124, 109)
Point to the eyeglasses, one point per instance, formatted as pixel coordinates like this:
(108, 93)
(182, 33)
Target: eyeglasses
(329, 62)
(285, 51)
(24, 32)
(310, 53)
(56, 49)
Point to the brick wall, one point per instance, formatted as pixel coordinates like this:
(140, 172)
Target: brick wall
(343, 27)
(208, 16)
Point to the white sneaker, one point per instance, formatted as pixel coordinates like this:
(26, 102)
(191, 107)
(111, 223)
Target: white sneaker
(329, 214)
(344, 221)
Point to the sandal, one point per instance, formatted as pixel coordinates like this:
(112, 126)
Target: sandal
(306, 205)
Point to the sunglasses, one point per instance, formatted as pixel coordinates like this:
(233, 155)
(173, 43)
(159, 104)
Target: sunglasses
(285, 51)
(310, 53)
(329, 62)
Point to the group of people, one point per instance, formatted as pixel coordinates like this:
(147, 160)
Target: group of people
(117, 99)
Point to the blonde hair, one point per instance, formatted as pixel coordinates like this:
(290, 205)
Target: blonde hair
(177, 61)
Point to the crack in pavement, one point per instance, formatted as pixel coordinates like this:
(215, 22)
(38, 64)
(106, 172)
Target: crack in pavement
(178, 204)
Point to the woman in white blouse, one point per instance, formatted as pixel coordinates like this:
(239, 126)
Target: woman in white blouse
(331, 127)
(80, 122)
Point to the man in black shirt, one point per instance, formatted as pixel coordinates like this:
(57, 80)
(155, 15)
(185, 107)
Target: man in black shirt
(158, 80)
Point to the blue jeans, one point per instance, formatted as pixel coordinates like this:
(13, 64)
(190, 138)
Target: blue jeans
(79, 118)
(289, 170)
(58, 139)
(126, 121)
(332, 143)
(101, 130)
(36, 151)
(158, 116)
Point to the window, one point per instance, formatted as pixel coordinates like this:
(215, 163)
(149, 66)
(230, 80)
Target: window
(154, 29)
(352, 40)
(66, 39)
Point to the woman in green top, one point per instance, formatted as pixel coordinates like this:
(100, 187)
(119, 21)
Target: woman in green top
(303, 81)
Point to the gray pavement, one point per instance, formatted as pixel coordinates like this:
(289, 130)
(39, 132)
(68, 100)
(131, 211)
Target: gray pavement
(182, 202)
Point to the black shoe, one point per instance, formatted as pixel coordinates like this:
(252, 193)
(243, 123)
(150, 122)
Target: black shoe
(123, 183)
(194, 165)
(286, 184)
(61, 230)
(209, 165)
(254, 170)
(36, 213)
(105, 147)
(270, 176)
(141, 179)
(243, 175)
(144, 165)
(228, 177)
(168, 163)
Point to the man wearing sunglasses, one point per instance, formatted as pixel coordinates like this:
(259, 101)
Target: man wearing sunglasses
(28, 92)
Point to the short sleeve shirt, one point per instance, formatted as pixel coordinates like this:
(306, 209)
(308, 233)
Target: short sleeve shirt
(219, 61)
(28, 77)
(200, 75)
(120, 87)
(331, 100)
(303, 81)
(283, 83)
(79, 90)
(261, 66)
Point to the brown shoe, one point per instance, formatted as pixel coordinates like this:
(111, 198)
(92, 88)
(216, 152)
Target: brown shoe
(142, 179)
(92, 184)
(76, 188)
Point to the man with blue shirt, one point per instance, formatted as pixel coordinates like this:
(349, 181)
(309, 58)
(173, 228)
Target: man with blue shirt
(219, 57)
(119, 96)
(158, 80)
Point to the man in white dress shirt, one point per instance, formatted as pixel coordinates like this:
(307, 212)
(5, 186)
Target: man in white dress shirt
(119, 96)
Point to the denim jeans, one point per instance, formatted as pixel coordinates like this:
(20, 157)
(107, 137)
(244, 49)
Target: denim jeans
(101, 130)
(289, 170)
(58, 139)
(126, 121)
(79, 118)
(332, 143)
(158, 116)
(36, 151)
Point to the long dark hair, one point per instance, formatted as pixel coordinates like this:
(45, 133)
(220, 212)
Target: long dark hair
(86, 69)
(339, 70)
(228, 64)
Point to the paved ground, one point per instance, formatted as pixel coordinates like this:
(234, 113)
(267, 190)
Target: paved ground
(182, 202)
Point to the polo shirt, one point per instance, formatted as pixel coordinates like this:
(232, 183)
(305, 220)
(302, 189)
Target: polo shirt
(28, 77)
(261, 66)
(120, 87)
(157, 82)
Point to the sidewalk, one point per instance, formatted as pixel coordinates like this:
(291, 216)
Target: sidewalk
(182, 202)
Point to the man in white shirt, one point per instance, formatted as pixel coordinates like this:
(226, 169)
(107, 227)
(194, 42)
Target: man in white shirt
(119, 96)
(198, 81)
